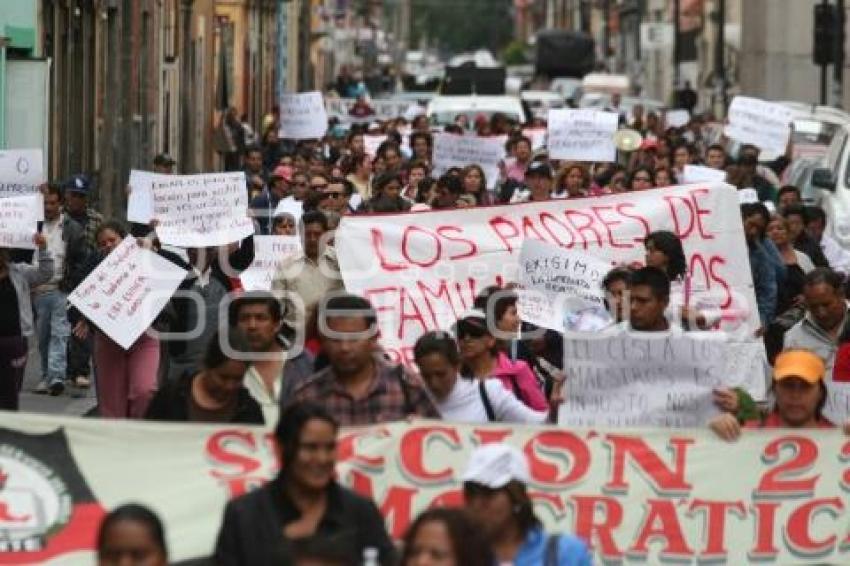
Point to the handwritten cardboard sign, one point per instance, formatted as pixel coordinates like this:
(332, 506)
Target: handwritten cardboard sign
(303, 116)
(766, 125)
(196, 211)
(127, 291)
(582, 135)
(140, 201)
(19, 216)
(561, 289)
(269, 254)
(451, 150)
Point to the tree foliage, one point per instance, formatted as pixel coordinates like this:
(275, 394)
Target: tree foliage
(455, 26)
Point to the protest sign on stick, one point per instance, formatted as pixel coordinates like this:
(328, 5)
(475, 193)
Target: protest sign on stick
(127, 291)
(582, 135)
(198, 211)
(269, 254)
(766, 125)
(451, 150)
(561, 289)
(303, 116)
(19, 216)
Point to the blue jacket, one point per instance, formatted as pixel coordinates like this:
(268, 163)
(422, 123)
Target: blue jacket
(764, 282)
(572, 551)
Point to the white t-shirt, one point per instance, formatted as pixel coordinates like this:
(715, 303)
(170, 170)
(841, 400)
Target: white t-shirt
(52, 231)
(464, 404)
(257, 388)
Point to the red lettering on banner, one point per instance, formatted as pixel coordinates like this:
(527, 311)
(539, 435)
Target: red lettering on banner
(453, 498)
(700, 212)
(765, 517)
(661, 521)
(677, 226)
(587, 528)
(220, 448)
(414, 444)
(546, 216)
(378, 245)
(663, 480)
(529, 231)
(798, 530)
(396, 507)
(714, 261)
(805, 454)
(441, 294)
(472, 247)
(845, 457)
(584, 227)
(715, 525)
(598, 210)
(547, 474)
(405, 245)
(488, 436)
(506, 231)
(409, 314)
(347, 449)
(621, 208)
(379, 305)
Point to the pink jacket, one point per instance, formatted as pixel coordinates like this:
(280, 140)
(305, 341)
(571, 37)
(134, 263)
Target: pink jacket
(518, 378)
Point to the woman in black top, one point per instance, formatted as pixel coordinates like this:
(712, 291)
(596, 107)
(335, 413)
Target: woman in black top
(216, 394)
(303, 503)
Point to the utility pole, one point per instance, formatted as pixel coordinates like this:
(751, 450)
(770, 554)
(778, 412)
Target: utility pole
(720, 55)
(838, 68)
(677, 46)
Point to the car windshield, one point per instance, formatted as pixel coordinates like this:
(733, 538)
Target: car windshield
(813, 132)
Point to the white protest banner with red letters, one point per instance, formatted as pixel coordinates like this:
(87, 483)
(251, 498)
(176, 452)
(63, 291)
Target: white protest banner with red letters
(639, 496)
(422, 270)
(127, 291)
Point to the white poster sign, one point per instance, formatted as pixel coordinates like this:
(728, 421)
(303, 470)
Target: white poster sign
(197, 211)
(451, 150)
(19, 216)
(21, 172)
(561, 289)
(766, 125)
(635, 379)
(701, 174)
(303, 116)
(269, 254)
(582, 135)
(140, 201)
(678, 118)
(127, 291)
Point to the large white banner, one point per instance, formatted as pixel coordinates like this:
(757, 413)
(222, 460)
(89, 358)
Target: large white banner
(422, 270)
(19, 216)
(269, 254)
(561, 289)
(140, 200)
(766, 125)
(582, 134)
(197, 211)
(21, 172)
(127, 291)
(451, 150)
(638, 496)
(303, 116)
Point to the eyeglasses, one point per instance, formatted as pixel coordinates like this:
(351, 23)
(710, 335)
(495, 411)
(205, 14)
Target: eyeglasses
(332, 195)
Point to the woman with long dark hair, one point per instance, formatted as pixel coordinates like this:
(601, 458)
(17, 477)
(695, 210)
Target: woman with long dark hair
(303, 502)
(475, 184)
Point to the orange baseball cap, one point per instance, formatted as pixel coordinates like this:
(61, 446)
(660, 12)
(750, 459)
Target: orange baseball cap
(802, 364)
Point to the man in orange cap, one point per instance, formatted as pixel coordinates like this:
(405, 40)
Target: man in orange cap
(800, 395)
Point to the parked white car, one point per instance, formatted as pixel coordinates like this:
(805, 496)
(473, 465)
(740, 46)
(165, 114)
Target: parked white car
(443, 110)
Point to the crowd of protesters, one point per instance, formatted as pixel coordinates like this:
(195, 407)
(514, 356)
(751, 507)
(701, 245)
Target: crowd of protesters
(341, 376)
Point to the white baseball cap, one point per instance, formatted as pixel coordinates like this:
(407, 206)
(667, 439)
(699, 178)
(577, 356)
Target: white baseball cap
(496, 465)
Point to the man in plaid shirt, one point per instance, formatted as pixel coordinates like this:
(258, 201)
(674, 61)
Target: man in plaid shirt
(359, 387)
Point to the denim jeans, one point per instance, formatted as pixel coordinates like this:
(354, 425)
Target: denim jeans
(52, 329)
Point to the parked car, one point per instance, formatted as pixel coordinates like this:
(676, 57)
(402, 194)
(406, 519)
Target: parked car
(443, 110)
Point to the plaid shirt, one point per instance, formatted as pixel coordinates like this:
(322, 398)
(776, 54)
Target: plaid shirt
(93, 220)
(393, 396)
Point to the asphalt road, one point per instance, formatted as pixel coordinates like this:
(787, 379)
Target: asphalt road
(72, 402)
